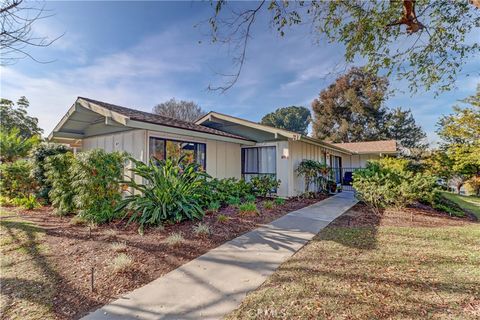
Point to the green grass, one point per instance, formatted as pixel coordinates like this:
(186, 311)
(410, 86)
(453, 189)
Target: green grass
(470, 203)
(375, 273)
(28, 282)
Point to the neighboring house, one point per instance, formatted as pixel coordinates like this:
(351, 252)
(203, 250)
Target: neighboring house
(225, 146)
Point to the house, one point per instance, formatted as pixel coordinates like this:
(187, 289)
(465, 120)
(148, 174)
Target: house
(223, 145)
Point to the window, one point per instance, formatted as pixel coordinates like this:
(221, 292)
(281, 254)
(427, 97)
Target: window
(173, 149)
(258, 161)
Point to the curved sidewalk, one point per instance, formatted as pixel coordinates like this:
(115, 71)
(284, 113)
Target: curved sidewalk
(215, 283)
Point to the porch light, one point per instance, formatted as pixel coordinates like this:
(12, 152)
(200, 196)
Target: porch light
(285, 153)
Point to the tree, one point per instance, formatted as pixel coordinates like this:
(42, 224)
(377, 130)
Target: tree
(401, 126)
(13, 146)
(292, 118)
(16, 21)
(430, 51)
(460, 133)
(18, 117)
(351, 109)
(182, 110)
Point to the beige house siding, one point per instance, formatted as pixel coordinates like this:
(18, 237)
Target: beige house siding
(132, 142)
(360, 160)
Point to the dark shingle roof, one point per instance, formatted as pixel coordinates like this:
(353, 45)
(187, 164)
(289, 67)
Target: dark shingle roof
(161, 120)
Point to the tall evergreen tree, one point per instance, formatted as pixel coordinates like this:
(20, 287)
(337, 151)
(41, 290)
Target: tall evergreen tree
(291, 118)
(17, 117)
(401, 126)
(351, 109)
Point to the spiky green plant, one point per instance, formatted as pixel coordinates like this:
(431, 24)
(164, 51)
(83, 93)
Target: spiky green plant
(173, 192)
(248, 208)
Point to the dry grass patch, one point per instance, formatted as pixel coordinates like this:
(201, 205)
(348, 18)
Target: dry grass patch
(119, 246)
(121, 263)
(175, 239)
(376, 271)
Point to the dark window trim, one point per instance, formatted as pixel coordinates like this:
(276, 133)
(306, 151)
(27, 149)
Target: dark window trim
(175, 140)
(258, 163)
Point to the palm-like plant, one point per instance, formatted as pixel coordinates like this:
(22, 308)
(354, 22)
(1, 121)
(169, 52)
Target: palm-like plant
(172, 191)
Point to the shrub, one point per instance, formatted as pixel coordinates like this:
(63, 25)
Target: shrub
(248, 208)
(222, 189)
(233, 201)
(28, 203)
(264, 185)
(279, 201)
(58, 172)
(172, 192)
(268, 204)
(222, 218)
(473, 186)
(39, 156)
(392, 186)
(175, 239)
(5, 201)
(443, 204)
(119, 246)
(121, 263)
(201, 229)
(14, 146)
(214, 206)
(250, 198)
(15, 179)
(96, 181)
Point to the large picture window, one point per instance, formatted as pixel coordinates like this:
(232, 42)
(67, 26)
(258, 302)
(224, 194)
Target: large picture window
(172, 149)
(259, 161)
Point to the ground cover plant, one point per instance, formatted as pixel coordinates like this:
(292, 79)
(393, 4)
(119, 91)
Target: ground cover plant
(370, 266)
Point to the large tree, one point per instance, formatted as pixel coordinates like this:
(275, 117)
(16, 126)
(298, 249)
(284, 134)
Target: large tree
(401, 126)
(460, 133)
(291, 118)
(12, 116)
(424, 41)
(179, 109)
(352, 108)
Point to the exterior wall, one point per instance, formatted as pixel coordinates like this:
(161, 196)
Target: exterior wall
(360, 160)
(299, 151)
(132, 141)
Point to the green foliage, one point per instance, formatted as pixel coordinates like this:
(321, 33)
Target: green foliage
(473, 186)
(313, 171)
(39, 157)
(387, 183)
(264, 185)
(292, 118)
(27, 202)
(14, 146)
(222, 189)
(97, 175)
(5, 201)
(400, 125)
(250, 198)
(213, 206)
(222, 218)
(269, 204)
(17, 117)
(57, 169)
(279, 201)
(352, 109)
(15, 179)
(233, 201)
(248, 208)
(428, 51)
(172, 192)
(441, 203)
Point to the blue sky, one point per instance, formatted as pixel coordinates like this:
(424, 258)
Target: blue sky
(138, 54)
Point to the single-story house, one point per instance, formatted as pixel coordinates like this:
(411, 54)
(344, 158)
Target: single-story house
(224, 145)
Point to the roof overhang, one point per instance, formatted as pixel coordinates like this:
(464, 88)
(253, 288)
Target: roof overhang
(86, 119)
(259, 132)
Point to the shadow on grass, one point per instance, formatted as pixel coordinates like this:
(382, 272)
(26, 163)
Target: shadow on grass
(24, 236)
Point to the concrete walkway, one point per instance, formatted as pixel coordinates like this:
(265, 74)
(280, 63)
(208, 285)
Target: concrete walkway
(215, 283)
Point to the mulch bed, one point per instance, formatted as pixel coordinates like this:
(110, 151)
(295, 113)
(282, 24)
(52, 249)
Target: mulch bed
(423, 216)
(75, 249)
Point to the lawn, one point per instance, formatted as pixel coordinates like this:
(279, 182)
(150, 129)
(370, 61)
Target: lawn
(470, 203)
(364, 267)
(27, 280)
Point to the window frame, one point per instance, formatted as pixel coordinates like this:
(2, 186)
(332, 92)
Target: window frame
(204, 167)
(258, 162)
